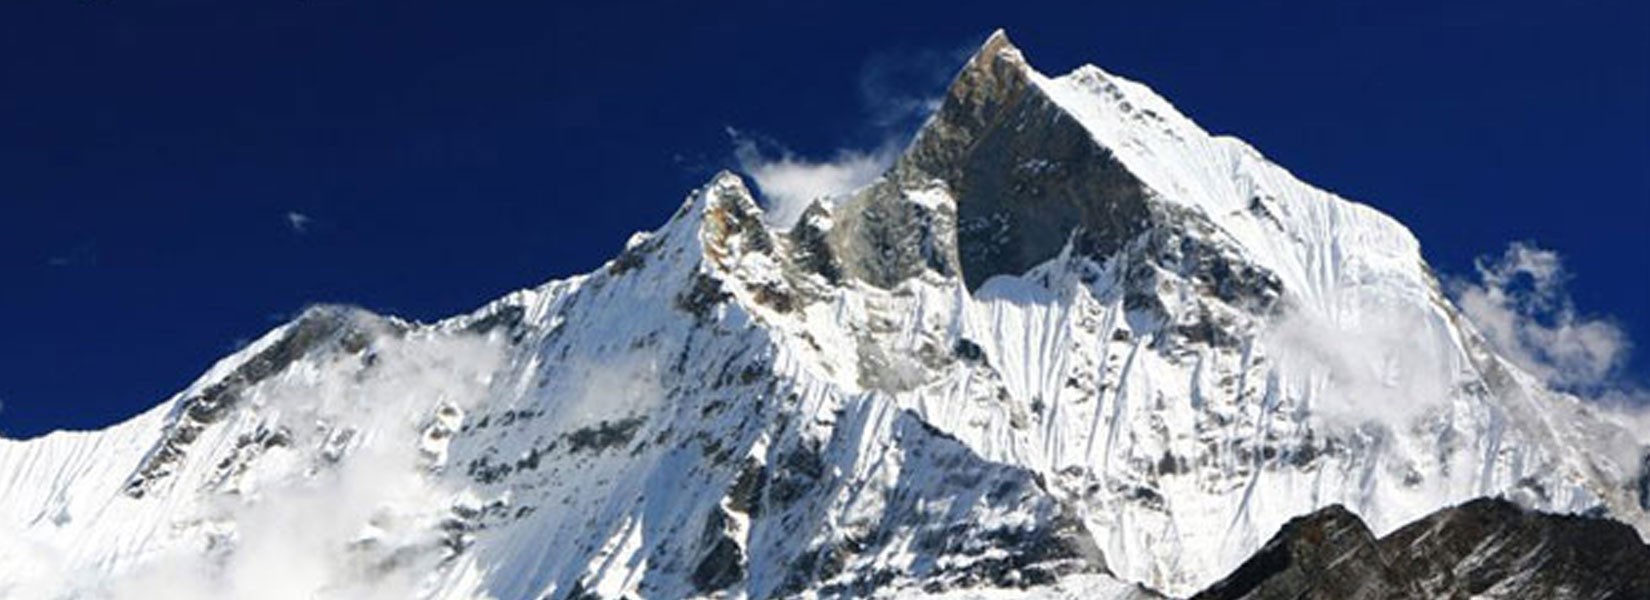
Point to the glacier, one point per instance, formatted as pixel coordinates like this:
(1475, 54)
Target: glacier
(1069, 345)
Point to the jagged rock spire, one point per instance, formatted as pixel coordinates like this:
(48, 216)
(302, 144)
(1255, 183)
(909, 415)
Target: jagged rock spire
(1026, 177)
(1021, 179)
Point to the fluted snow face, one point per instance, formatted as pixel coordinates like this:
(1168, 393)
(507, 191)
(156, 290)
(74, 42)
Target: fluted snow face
(1071, 342)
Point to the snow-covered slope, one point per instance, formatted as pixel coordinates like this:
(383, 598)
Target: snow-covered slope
(1069, 342)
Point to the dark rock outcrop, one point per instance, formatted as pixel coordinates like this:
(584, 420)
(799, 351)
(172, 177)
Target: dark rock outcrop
(1025, 182)
(1026, 176)
(1644, 481)
(1496, 549)
(1326, 554)
(341, 328)
(723, 562)
(1486, 548)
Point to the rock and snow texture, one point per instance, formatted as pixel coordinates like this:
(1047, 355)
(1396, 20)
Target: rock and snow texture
(1069, 343)
(1486, 548)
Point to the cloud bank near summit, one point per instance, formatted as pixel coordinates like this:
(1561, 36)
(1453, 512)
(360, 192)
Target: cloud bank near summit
(898, 90)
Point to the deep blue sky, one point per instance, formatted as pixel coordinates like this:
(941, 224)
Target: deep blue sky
(448, 152)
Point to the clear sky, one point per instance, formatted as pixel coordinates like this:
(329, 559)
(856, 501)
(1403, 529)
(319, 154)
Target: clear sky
(179, 177)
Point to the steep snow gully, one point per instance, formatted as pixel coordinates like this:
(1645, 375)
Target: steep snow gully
(1069, 345)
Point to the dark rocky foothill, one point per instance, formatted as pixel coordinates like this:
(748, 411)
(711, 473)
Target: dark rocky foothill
(1486, 548)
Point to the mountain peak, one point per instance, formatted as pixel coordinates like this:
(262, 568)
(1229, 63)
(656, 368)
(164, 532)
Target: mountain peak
(997, 47)
(1026, 175)
(998, 70)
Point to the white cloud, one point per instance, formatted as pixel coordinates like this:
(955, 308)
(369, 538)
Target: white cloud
(299, 222)
(1385, 365)
(362, 527)
(789, 183)
(1520, 304)
(615, 389)
(898, 91)
(1389, 365)
(82, 255)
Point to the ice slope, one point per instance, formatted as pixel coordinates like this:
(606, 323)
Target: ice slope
(1070, 342)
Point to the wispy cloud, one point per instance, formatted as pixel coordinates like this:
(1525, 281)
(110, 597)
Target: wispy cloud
(1385, 366)
(82, 255)
(898, 91)
(1389, 364)
(299, 222)
(1519, 302)
(789, 183)
(367, 525)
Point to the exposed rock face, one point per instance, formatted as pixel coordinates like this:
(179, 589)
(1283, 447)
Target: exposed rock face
(1644, 482)
(1327, 554)
(723, 562)
(1482, 549)
(1495, 549)
(1026, 176)
(891, 232)
(344, 328)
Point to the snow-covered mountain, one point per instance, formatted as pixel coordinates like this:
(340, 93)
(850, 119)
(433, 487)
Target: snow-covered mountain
(1069, 345)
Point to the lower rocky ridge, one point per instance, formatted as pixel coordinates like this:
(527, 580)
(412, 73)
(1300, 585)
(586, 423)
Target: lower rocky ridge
(1486, 548)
